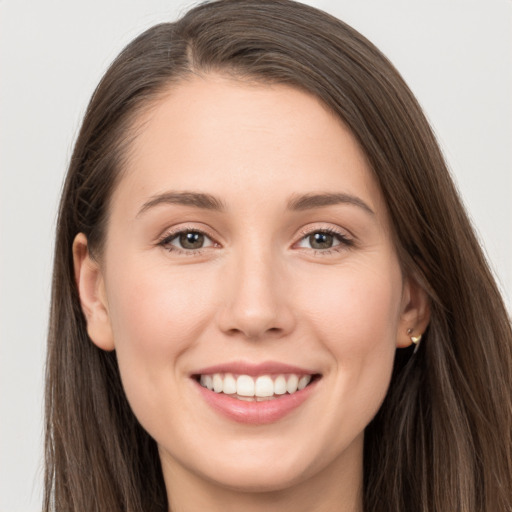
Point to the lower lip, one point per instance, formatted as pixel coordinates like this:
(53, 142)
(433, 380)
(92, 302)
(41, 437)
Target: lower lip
(256, 413)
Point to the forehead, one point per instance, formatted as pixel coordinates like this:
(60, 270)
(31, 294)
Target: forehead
(227, 137)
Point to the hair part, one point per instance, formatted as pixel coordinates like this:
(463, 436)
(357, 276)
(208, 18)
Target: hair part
(442, 440)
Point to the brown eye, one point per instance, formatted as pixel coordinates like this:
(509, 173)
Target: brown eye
(321, 240)
(191, 240)
(324, 240)
(188, 240)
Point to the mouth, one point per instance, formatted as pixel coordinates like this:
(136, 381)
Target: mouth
(255, 394)
(251, 388)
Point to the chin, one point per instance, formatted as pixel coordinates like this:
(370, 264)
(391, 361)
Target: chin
(265, 479)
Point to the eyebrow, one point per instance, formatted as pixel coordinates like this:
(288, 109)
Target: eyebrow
(196, 199)
(311, 201)
(212, 203)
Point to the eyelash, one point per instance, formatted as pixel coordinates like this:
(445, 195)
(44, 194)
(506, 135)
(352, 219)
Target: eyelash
(166, 240)
(344, 241)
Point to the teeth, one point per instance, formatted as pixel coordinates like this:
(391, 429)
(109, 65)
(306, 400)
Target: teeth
(229, 386)
(264, 386)
(292, 383)
(207, 381)
(303, 382)
(280, 385)
(247, 387)
(218, 383)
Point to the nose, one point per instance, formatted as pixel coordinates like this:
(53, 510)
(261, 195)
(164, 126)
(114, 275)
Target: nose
(256, 299)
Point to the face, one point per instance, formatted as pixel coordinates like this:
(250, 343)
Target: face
(249, 249)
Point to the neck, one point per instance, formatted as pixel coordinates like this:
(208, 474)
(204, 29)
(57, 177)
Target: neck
(338, 487)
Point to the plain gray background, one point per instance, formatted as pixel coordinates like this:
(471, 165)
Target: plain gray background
(455, 55)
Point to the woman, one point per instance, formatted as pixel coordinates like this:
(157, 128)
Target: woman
(267, 294)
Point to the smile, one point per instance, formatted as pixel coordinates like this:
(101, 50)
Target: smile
(251, 388)
(255, 394)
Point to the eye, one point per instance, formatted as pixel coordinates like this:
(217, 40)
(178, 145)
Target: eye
(187, 240)
(323, 240)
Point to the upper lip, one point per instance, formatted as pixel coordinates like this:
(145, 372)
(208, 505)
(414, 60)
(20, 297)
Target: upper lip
(254, 369)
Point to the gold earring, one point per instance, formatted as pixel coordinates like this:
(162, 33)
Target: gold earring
(415, 340)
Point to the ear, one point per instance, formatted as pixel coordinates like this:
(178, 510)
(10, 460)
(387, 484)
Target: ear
(91, 289)
(414, 314)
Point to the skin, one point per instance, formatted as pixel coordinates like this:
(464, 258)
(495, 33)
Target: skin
(257, 291)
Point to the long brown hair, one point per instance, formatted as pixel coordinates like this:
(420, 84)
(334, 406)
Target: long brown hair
(442, 440)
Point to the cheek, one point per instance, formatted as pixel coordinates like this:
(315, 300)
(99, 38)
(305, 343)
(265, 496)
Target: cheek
(357, 309)
(157, 307)
(355, 316)
(157, 313)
